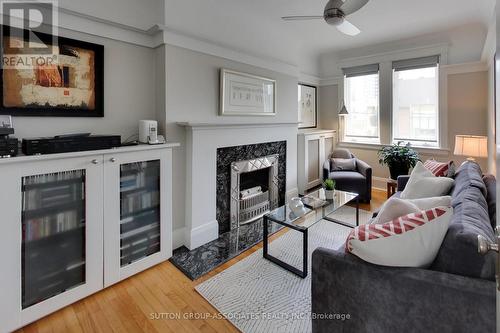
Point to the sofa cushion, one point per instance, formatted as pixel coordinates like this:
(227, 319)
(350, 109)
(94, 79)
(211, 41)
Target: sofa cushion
(491, 198)
(458, 253)
(412, 240)
(468, 174)
(343, 164)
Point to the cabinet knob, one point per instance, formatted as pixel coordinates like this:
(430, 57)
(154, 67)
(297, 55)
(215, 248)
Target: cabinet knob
(112, 160)
(95, 162)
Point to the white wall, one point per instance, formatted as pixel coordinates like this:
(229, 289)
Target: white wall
(129, 94)
(193, 96)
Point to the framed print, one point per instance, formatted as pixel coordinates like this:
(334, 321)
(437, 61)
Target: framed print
(66, 80)
(244, 94)
(308, 113)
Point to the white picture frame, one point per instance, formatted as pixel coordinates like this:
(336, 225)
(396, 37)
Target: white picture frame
(308, 111)
(243, 94)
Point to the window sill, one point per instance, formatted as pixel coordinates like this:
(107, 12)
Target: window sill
(378, 146)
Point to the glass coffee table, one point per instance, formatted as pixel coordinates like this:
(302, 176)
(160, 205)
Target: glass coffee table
(285, 217)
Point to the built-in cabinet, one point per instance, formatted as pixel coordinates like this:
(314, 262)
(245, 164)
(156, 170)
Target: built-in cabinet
(75, 223)
(314, 147)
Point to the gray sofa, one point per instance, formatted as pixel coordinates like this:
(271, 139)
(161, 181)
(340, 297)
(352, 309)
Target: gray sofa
(456, 294)
(357, 181)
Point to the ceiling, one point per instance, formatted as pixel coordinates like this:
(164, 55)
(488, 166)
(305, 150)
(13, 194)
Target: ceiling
(255, 26)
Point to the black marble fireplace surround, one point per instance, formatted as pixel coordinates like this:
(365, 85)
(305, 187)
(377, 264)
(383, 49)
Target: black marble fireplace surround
(228, 155)
(198, 262)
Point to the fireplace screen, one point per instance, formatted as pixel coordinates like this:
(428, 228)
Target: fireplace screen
(254, 189)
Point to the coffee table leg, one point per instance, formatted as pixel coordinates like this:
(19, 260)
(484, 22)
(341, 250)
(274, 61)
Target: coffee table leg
(357, 211)
(265, 235)
(304, 253)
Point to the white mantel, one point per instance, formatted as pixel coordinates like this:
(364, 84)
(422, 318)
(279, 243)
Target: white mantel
(202, 141)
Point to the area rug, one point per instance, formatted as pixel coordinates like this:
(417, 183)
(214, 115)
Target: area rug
(258, 296)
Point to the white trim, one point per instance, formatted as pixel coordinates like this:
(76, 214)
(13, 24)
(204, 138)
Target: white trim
(378, 181)
(202, 234)
(441, 49)
(178, 237)
(331, 81)
(420, 150)
(469, 67)
(309, 79)
(212, 126)
(194, 43)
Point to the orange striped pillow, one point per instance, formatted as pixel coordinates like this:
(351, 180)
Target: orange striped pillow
(439, 169)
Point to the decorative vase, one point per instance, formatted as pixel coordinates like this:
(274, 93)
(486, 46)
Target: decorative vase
(329, 194)
(398, 170)
(297, 206)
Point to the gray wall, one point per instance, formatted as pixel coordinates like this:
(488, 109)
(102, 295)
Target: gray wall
(129, 94)
(328, 107)
(193, 96)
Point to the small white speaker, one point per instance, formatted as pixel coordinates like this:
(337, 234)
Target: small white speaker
(148, 131)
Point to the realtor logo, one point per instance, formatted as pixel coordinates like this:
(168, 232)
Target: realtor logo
(29, 33)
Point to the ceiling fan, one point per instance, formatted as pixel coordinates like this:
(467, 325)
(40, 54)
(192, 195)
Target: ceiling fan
(335, 14)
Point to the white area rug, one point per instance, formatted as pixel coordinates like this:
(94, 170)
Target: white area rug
(258, 296)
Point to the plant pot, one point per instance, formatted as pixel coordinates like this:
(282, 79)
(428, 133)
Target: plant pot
(329, 194)
(398, 170)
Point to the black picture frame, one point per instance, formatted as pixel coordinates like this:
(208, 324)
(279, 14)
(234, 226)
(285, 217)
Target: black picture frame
(315, 106)
(98, 50)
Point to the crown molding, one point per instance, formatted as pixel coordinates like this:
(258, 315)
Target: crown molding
(470, 67)
(309, 79)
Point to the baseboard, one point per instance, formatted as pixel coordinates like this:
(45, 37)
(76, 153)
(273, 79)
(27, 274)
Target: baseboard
(202, 235)
(178, 238)
(379, 183)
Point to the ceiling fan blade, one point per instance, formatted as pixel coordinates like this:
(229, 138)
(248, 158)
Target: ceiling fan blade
(348, 28)
(301, 18)
(351, 6)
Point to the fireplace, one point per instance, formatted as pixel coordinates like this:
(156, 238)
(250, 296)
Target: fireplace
(251, 180)
(254, 189)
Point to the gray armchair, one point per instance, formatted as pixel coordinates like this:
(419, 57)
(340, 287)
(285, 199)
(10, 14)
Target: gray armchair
(357, 181)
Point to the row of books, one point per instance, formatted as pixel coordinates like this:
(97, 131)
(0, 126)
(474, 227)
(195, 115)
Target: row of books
(50, 225)
(139, 201)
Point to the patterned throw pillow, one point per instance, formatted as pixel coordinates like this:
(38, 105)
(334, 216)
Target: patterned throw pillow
(412, 240)
(440, 169)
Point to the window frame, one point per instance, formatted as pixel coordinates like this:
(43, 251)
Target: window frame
(358, 139)
(416, 142)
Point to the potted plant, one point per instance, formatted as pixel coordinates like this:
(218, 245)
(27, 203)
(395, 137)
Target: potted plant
(399, 158)
(329, 186)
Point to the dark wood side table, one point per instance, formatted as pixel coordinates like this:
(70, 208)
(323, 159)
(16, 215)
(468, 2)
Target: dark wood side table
(392, 187)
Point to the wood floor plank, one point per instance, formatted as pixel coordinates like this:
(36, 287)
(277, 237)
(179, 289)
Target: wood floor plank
(128, 306)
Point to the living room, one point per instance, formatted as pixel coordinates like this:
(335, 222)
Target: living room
(225, 166)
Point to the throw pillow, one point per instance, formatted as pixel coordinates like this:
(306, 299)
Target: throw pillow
(428, 203)
(409, 241)
(343, 164)
(423, 184)
(394, 208)
(440, 169)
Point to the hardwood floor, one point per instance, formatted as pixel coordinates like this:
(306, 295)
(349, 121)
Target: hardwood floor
(161, 299)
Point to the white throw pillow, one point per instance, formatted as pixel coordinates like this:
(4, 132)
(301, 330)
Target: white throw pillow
(394, 208)
(423, 184)
(409, 241)
(428, 203)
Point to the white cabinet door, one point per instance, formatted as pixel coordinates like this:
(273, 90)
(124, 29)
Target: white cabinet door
(51, 246)
(137, 214)
(313, 153)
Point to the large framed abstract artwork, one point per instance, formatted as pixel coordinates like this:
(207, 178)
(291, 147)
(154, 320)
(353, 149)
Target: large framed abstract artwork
(243, 94)
(308, 113)
(59, 77)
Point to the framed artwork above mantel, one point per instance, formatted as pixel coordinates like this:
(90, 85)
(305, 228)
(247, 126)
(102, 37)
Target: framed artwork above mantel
(308, 111)
(64, 78)
(243, 94)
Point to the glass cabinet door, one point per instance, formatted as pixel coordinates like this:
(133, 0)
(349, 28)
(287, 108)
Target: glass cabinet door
(53, 234)
(139, 210)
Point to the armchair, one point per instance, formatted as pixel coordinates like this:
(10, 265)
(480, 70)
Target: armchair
(357, 181)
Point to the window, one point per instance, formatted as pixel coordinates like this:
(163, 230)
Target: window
(361, 96)
(415, 101)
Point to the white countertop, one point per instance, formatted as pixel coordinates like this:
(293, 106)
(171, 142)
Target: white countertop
(32, 158)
